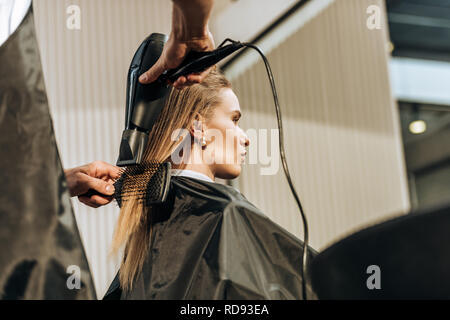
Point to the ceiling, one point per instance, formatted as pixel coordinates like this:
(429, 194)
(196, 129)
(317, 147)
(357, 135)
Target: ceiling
(432, 148)
(420, 28)
(435, 116)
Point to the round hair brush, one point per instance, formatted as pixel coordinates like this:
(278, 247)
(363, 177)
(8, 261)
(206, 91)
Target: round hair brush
(147, 182)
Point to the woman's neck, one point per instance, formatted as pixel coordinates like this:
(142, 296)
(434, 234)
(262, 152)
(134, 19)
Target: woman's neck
(201, 168)
(193, 162)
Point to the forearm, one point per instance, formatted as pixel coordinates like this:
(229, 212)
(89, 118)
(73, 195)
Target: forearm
(190, 19)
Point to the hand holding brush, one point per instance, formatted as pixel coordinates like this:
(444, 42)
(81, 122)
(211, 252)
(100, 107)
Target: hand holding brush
(98, 183)
(93, 183)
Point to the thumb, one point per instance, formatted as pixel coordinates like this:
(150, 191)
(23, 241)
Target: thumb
(153, 73)
(100, 186)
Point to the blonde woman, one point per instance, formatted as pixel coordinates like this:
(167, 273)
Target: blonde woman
(206, 241)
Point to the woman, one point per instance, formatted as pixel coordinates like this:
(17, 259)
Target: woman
(206, 241)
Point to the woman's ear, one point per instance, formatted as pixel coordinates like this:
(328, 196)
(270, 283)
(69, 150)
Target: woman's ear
(198, 127)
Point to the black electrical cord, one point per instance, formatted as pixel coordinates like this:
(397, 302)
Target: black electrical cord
(304, 270)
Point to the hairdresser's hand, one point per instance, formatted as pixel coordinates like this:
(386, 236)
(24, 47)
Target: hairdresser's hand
(189, 32)
(98, 176)
(173, 55)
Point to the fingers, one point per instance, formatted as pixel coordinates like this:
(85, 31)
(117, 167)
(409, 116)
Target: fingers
(100, 186)
(180, 82)
(193, 78)
(95, 201)
(98, 176)
(199, 77)
(87, 201)
(175, 51)
(104, 170)
(106, 190)
(153, 73)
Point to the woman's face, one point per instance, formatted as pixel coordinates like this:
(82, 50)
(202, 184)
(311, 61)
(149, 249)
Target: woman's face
(226, 141)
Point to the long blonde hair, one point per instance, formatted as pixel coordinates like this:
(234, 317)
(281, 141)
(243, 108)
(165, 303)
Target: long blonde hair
(134, 224)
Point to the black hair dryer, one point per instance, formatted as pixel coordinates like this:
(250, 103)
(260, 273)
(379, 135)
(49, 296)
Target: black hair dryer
(144, 101)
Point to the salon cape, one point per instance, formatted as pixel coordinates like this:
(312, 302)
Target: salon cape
(41, 253)
(209, 242)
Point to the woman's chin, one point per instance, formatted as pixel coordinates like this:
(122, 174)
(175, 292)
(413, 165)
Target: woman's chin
(229, 171)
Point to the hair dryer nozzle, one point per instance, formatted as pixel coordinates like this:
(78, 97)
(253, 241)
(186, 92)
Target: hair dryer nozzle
(132, 148)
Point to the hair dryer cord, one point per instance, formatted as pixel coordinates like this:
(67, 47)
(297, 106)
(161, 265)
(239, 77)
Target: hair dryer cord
(304, 272)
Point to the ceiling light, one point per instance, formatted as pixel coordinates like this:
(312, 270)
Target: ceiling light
(418, 127)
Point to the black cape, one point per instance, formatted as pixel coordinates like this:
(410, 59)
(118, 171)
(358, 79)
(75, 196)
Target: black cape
(39, 239)
(210, 242)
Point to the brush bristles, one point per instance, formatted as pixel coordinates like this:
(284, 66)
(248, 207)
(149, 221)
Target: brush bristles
(142, 182)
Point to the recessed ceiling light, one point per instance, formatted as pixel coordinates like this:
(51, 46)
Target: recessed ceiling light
(418, 127)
